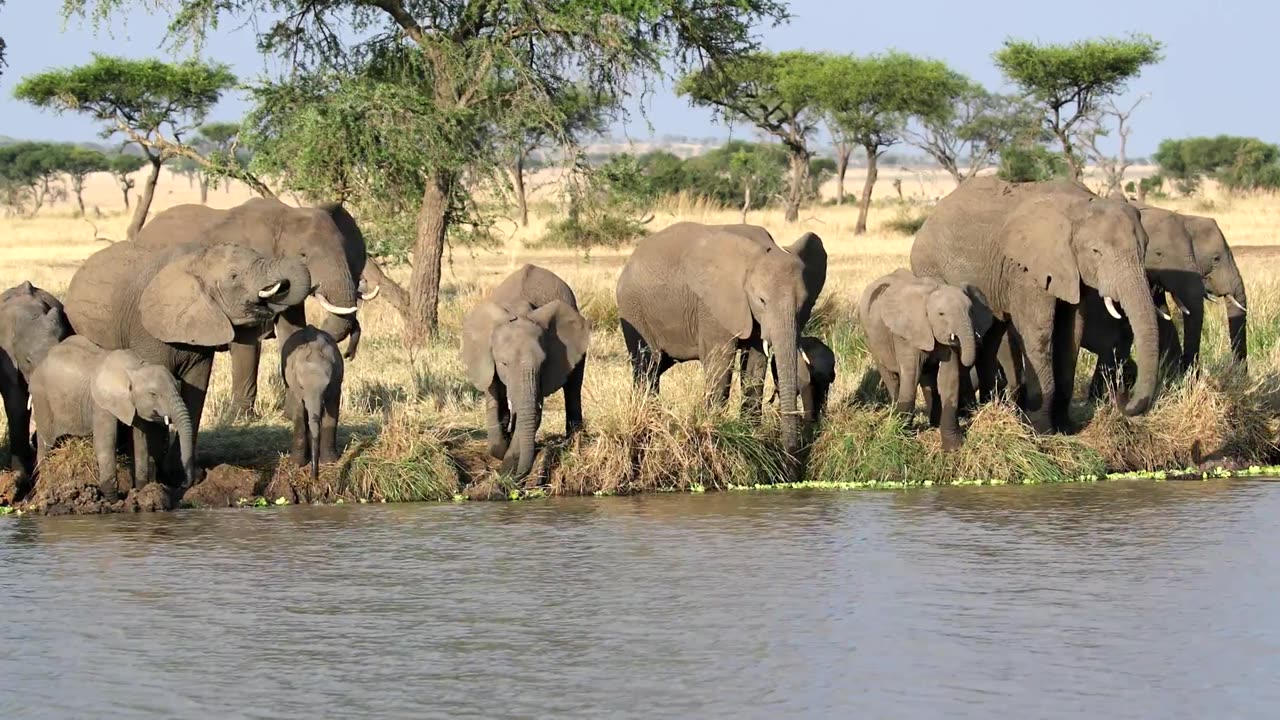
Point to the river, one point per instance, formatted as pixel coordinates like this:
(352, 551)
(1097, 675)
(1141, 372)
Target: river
(1134, 599)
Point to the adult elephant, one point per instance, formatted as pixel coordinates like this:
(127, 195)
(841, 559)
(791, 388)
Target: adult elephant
(327, 240)
(176, 307)
(1032, 249)
(1222, 279)
(32, 322)
(694, 292)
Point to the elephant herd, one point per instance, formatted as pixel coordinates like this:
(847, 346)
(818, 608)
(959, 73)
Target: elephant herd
(133, 340)
(1007, 282)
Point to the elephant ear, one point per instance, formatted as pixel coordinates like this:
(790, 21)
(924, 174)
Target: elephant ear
(1038, 237)
(811, 252)
(715, 270)
(980, 314)
(175, 308)
(566, 342)
(477, 334)
(903, 310)
(112, 386)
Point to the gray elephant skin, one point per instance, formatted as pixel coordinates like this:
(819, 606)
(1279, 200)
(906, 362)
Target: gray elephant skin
(924, 332)
(326, 238)
(697, 292)
(81, 390)
(1032, 249)
(312, 368)
(524, 341)
(32, 321)
(176, 307)
(815, 374)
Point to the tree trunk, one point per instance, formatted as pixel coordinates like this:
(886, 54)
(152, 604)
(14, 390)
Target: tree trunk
(1068, 154)
(746, 200)
(204, 190)
(522, 202)
(1142, 193)
(428, 250)
(865, 203)
(77, 186)
(144, 202)
(799, 172)
(124, 190)
(843, 151)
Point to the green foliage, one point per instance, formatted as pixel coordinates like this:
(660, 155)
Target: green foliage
(868, 100)
(907, 221)
(1030, 163)
(1238, 163)
(1068, 81)
(975, 129)
(123, 164)
(604, 208)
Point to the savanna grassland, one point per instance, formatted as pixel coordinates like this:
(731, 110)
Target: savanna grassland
(414, 427)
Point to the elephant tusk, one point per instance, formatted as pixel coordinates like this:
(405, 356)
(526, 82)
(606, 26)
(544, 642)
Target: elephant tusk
(167, 421)
(1111, 308)
(324, 302)
(270, 291)
(766, 347)
(367, 296)
(1236, 302)
(28, 403)
(1164, 314)
(954, 338)
(805, 356)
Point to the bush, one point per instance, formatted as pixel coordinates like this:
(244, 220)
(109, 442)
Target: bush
(907, 221)
(1032, 163)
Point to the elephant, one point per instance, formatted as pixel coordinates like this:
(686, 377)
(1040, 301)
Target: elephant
(522, 342)
(693, 292)
(1032, 249)
(326, 238)
(81, 389)
(177, 307)
(312, 368)
(1222, 279)
(815, 374)
(924, 332)
(32, 321)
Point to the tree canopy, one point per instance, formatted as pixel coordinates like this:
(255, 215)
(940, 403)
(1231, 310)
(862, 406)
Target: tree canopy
(973, 134)
(1239, 163)
(151, 103)
(1068, 81)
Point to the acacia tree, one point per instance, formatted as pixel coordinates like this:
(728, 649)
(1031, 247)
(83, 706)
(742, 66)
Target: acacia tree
(1095, 127)
(577, 112)
(151, 103)
(122, 167)
(869, 100)
(970, 137)
(1069, 82)
(778, 93)
(413, 104)
(78, 163)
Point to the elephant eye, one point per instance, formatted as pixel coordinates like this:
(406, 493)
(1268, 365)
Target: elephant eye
(1096, 251)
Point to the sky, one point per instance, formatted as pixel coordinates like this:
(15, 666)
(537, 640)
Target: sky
(1207, 84)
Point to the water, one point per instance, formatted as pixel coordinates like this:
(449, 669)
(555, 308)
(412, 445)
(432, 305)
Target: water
(1151, 600)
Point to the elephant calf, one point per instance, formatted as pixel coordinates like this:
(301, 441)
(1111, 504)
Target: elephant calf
(520, 344)
(31, 322)
(81, 389)
(921, 331)
(815, 374)
(312, 368)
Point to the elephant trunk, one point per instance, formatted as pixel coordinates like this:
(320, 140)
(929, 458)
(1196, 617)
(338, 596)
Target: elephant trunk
(181, 422)
(968, 343)
(526, 421)
(1141, 313)
(313, 426)
(786, 353)
(336, 293)
(294, 283)
(1237, 308)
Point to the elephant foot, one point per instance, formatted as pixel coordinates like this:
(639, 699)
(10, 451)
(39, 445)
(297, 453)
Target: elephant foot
(329, 455)
(951, 443)
(299, 457)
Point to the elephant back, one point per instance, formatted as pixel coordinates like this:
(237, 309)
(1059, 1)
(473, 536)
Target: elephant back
(178, 224)
(532, 284)
(100, 292)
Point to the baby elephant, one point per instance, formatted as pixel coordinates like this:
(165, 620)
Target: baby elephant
(312, 368)
(81, 389)
(921, 331)
(815, 373)
(521, 343)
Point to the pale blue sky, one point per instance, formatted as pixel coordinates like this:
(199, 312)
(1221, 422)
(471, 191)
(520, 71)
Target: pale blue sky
(1209, 82)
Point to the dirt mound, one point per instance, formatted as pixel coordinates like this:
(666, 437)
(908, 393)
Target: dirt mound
(10, 487)
(223, 486)
(154, 497)
(67, 493)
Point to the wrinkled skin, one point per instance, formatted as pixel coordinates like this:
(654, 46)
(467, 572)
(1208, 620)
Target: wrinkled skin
(816, 373)
(524, 341)
(923, 332)
(82, 390)
(312, 368)
(326, 238)
(1031, 249)
(694, 292)
(175, 308)
(32, 321)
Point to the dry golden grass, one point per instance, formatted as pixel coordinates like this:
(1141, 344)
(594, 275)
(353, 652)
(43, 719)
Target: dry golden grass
(414, 426)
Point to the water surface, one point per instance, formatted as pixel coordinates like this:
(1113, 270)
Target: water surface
(1156, 600)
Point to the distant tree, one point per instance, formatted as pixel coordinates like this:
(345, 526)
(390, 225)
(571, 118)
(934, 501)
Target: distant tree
(122, 166)
(1069, 81)
(1097, 126)
(980, 124)
(869, 100)
(78, 163)
(576, 112)
(32, 171)
(1238, 163)
(151, 103)
(780, 93)
(1030, 162)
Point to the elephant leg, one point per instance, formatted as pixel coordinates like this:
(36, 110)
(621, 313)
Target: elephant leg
(497, 421)
(889, 377)
(105, 428)
(244, 377)
(988, 359)
(329, 428)
(929, 391)
(1068, 327)
(754, 366)
(717, 368)
(1009, 355)
(573, 399)
(149, 445)
(966, 403)
(300, 440)
(908, 380)
(645, 361)
(948, 392)
(1033, 332)
(16, 394)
